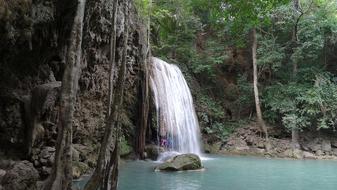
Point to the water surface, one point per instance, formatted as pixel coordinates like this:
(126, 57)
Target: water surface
(234, 173)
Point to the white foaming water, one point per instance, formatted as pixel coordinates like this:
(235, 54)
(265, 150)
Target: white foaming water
(177, 121)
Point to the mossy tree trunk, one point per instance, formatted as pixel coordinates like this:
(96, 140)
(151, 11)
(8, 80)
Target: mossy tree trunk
(61, 175)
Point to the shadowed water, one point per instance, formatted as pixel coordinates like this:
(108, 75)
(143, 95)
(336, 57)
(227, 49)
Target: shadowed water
(234, 173)
(177, 121)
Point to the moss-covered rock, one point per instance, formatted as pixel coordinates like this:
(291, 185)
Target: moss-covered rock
(124, 147)
(213, 148)
(79, 168)
(153, 151)
(180, 163)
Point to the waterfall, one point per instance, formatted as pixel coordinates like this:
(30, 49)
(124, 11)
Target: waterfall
(178, 128)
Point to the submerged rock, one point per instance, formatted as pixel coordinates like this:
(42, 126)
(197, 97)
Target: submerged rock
(181, 162)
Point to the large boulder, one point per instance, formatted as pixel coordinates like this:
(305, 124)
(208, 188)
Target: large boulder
(22, 176)
(181, 162)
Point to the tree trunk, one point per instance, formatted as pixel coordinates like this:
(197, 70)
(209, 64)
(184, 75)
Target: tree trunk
(144, 111)
(294, 130)
(106, 168)
(112, 54)
(145, 104)
(61, 175)
(260, 120)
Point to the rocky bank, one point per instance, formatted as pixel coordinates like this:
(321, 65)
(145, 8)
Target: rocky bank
(249, 140)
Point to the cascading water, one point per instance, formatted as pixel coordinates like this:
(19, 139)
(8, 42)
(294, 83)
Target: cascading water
(178, 128)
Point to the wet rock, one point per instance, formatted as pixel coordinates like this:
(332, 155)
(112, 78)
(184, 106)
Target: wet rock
(45, 158)
(83, 151)
(314, 145)
(319, 153)
(75, 155)
(212, 148)
(79, 168)
(334, 151)
(51, 160)
(326, 146)
(258, 150)
(298, 154)
(334, 143)
(43, 161)
(309, 155)
(287, 153)
(23, 176)
(45, 171)
(260, 144)
(181, 162)
(153, 151)
(47, 152)
(238, 144)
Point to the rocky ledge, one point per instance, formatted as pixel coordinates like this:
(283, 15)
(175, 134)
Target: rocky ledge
(180, 163)
(249, 140)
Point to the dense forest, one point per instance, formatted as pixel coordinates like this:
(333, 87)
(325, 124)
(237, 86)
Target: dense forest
(88, 85)
(272, 59)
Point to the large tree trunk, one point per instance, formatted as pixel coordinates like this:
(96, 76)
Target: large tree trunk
(260, 120)
(61, 175)
(107, 163)
(144, 111)
(145, 104)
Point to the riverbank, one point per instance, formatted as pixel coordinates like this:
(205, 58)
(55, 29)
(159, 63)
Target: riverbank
(249, 141)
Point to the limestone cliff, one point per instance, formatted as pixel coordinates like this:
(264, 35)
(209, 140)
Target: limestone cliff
(31, 68)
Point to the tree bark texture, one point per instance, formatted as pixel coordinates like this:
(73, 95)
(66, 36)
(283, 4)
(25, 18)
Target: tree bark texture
(297, 9)
(145, 102)
(260, 120)
(112, 53)
(61, 175)
(106, 171)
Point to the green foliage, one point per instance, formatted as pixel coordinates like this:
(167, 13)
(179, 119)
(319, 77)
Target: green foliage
(210, 107)
(221, 131)
(300, 106)
(198, 33)
(124, 147)
(144, 7)
(270, 54)
(173, 28)
(245, 97)
(244, 15)
(212, 55)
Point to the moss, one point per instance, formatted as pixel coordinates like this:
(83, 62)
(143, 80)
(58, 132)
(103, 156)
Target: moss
(124, 147)
(79, 168)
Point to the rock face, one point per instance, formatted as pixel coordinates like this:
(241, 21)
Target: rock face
(22, 176)
(180, 163)
(153, 151)
(31, 64)
(249, 141)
